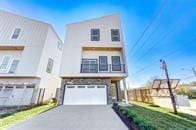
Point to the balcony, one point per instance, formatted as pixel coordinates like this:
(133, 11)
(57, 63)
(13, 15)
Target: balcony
(102, 68)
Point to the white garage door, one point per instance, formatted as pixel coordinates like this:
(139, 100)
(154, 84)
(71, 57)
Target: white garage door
(85, 95)
(16, 95)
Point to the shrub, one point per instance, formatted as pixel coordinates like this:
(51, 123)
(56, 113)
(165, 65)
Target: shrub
(115, 104)
(124, 112)
(146, 126)
(192, 94)
(138, 120)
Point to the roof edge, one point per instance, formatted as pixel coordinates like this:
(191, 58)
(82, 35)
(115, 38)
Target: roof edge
(102, 17)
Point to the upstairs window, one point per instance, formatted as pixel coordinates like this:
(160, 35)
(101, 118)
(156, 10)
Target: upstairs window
(116, 65)
(16, 33)
(89, 66)
(115, 34)
(95, 34)
(103, 63)
(5, 62)
(50, 65)
(13, 66)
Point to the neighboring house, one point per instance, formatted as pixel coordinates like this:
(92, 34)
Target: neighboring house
(93, 62)
(30, 56)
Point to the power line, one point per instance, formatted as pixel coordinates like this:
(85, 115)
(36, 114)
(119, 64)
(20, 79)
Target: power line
(167, 55)
(189, 77)
(171, 10)
(154, 45)
(144, 43)
(165, 36)
(148, 26)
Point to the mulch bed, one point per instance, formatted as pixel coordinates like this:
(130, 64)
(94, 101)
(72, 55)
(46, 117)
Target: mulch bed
(127, 121)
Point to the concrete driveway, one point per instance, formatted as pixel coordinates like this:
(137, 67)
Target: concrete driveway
(74, 118)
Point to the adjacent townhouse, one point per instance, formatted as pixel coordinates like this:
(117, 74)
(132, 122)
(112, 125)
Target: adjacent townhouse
(93, 62)
(30, 56)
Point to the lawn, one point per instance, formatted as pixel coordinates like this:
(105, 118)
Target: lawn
(17, 117)
(161, 118)
(194, 100)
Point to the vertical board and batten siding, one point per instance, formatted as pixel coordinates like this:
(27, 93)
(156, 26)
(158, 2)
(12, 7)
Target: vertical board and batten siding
(32, 33)
(40, 43)
(32, 37)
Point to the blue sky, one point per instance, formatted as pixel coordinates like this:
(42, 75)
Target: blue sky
(169, 34)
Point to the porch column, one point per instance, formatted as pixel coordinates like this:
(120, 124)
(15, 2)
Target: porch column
(118, 91)
(125, 92)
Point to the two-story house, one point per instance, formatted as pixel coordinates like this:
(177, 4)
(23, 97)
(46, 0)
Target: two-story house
(93, 62)
(30, 56)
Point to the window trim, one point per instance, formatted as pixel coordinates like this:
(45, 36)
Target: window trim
(112, 35)
(103, 64)
(48, 65)
(11, 65)
(98, 35)
(8, 65)
(18, 34)
(120, 68)
(89, 69)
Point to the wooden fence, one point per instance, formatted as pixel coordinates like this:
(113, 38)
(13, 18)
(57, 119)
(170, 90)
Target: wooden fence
(147, 95)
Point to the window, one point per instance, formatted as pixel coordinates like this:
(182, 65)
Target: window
(100, 86)
(90, 86)
(70, 86)
(11, 87)
(81, 87)
(115, 34)
(1, 87)
(30, 86)
(103, 63)
(20, 87)
(116, 65)
(49, 66)
(16, 33)
(60, 46)
(5, 62)
(95, 35)
(13, 66)
(89, 66)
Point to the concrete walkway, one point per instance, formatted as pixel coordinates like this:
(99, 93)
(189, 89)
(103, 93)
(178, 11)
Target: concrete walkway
(74, 118)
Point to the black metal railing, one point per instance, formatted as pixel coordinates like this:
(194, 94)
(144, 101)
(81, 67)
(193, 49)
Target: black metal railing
(102, 68)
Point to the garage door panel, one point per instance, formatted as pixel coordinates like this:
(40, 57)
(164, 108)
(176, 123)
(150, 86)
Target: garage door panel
(85, 95)
(16, 96)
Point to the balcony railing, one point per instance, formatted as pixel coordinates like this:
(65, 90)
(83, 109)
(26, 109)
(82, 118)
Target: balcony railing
(101, 68)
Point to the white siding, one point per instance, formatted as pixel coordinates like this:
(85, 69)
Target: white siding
(50, 81)
(40, 42)
(32, 33)
(32, 37)
(78, 36)
(96, 54)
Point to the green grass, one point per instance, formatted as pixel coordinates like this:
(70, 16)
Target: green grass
(162, 118)
(194, 100)
(17, 117)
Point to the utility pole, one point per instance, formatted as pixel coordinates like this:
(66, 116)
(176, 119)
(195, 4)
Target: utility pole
(194, 71)
(164, 67)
